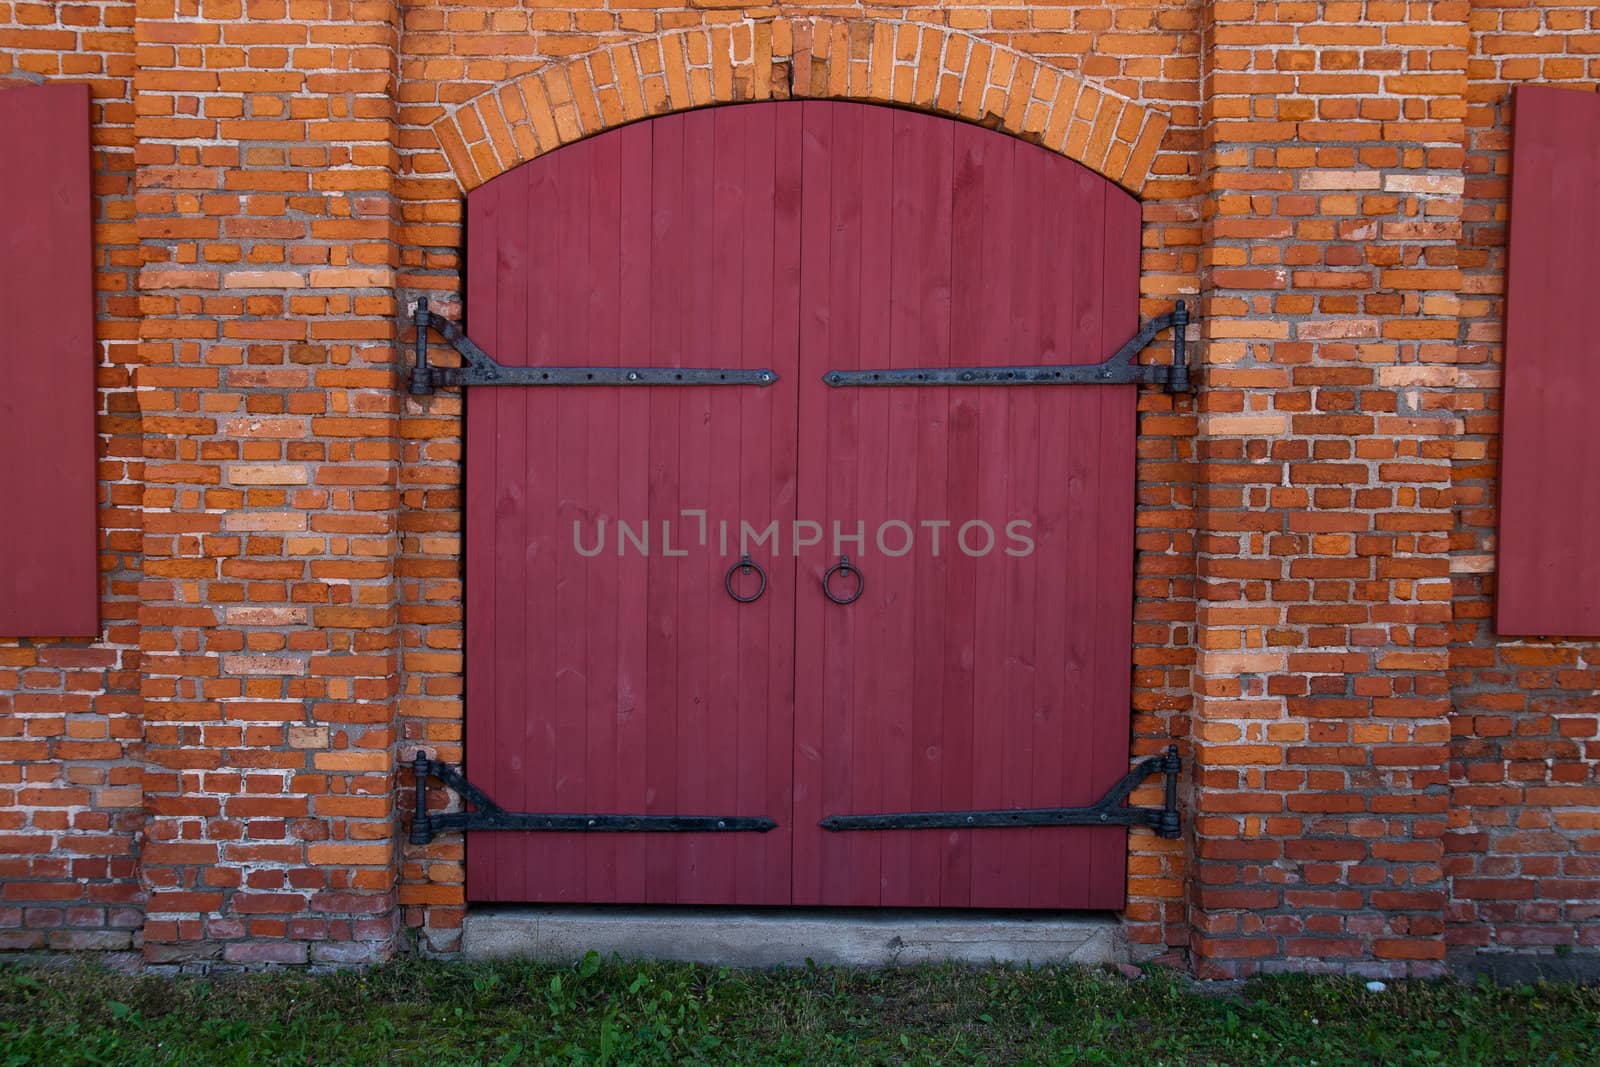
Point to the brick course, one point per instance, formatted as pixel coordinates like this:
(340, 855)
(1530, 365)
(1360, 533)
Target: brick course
(1376, 778)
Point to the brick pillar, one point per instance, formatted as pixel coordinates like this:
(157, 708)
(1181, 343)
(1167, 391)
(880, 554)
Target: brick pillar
(1333, 176)
(265, 210)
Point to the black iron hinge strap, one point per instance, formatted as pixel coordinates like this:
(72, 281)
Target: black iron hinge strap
(1110, 810)
(480, 368)
(485, 814)
(1122, 368)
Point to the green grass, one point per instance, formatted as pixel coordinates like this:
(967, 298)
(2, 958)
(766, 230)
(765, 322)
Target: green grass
(421, 1012)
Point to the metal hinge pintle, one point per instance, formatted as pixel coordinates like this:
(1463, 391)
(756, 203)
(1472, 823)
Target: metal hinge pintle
(1110, 810)
(1122, 368)
(480, 368)
(487, 815)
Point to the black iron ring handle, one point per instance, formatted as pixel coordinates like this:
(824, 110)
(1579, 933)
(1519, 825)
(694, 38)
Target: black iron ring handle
(843, 567)
(746, 564)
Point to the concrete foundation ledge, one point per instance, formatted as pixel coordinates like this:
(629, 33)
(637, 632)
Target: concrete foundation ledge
(1516, 966)
(791, 937)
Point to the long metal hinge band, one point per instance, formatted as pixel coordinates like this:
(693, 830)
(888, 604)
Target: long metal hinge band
(480, 368)
(1110, 810)
(487, 815)
(1122, 368)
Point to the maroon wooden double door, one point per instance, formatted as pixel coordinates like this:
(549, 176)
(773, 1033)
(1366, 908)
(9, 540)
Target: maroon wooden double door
(986, 663)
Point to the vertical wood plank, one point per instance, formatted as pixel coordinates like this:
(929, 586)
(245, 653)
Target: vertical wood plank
(606, 434)
(784, 755)
(960, 471)
(696, 459)
(1028, 647)
(842, 638)
(506, 252)
(880, 700)
(1115, 455)
(531, 743)
(633, 475)
(669, 241)
(1087, 548)
(994, 869)
(926, 168)
(575, 669)
(724, 435)
(488, 872)
(747, 331)
(813, 850)
(1058, 553)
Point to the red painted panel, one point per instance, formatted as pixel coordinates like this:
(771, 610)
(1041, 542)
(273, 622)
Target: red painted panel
(621, 682)
(802, 237)
(966, 677)
(1548, 576)
(48, 572)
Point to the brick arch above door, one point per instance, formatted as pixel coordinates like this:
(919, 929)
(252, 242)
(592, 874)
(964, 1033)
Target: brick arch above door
(925, 67)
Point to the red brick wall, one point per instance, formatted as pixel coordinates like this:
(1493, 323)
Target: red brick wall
(1334, 161)
(266, 213)
(1375, 779)
(70, 774)
(1523, 848)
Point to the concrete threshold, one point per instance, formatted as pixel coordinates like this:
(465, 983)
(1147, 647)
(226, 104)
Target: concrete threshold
(778, 937)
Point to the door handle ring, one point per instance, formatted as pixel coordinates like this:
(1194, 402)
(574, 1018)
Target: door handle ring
(746, 565)
(843, 567)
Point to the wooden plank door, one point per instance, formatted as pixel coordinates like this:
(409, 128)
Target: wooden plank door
(986, 664)
(622, 682)
(972, 673)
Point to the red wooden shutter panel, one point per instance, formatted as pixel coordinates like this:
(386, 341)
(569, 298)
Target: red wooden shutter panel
(48, 579)
(1548, 580)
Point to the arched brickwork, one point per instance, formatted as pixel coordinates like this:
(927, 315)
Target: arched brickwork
(930, 68)
(927, 68)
